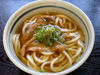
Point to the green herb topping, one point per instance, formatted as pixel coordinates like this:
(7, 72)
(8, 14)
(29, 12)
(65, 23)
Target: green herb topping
(49, 34)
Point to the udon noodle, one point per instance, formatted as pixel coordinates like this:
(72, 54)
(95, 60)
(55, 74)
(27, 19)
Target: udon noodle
(49, 42)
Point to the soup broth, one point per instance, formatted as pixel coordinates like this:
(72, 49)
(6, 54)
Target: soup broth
(49, 42)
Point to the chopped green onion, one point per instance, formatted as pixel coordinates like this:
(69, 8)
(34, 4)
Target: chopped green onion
(49, 34)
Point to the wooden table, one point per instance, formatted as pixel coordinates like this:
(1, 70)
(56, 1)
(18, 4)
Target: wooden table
(90, 7)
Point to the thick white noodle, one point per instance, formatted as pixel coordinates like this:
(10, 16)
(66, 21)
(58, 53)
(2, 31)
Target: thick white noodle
(38, 59)
(25, 44)
(47, 53)
(57, 20)
(69, 58)
(31, 22)
(53, 61)
(74, 39)
(80, 43)
(24, 27)
(16, 42)
(73, 34)
(71, 49)
(45, 63)
(63, 16)
(66, 30)
(31, 60)
(78, 52)
(61, 59)
(62, 66)
(61, 23)
(13, 41)
(29, 65)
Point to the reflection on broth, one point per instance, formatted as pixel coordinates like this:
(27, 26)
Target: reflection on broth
(49, 42)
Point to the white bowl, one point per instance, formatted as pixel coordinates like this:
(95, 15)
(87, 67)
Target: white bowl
(36, 7)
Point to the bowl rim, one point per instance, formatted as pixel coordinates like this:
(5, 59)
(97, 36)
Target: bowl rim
(62, 72)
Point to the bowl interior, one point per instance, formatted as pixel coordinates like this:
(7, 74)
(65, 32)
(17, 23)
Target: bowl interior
(40, 7)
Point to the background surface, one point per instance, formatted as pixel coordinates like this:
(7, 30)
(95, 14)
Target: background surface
(90, 7)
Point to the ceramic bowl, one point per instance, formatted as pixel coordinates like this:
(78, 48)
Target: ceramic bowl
(40, 6)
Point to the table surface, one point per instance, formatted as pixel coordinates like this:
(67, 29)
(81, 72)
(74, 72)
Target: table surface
(90, 7)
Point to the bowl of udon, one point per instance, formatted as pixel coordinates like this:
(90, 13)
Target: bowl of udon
(49, 37)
